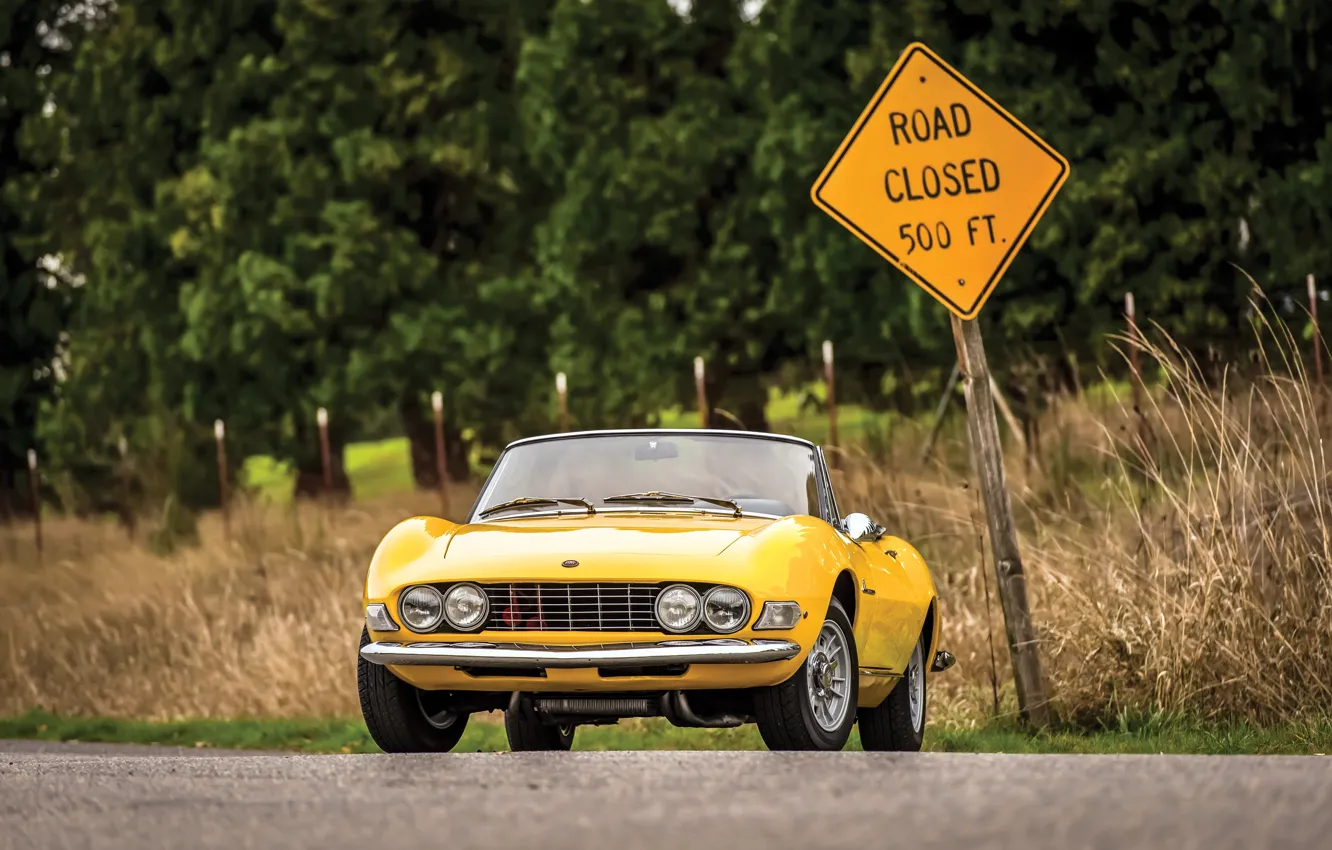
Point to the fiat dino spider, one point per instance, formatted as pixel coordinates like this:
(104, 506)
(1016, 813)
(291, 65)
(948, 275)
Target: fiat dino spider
(706, 577)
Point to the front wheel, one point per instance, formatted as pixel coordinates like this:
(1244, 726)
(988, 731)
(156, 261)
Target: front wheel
(404, 719)
(898, 723)
(816, 708)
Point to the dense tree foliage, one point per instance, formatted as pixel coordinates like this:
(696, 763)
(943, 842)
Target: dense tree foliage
(276, 205)
(35, 293)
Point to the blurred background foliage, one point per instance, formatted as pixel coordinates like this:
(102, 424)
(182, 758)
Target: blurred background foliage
(248, 209)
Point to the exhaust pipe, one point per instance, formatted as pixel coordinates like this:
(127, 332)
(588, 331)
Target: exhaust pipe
(675, 706)
(590, 707)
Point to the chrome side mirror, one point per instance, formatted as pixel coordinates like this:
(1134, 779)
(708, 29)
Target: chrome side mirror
(862, 529)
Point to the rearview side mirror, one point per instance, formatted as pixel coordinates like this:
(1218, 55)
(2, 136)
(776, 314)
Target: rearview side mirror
(862, 529)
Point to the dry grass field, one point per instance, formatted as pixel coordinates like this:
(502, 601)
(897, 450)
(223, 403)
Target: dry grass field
(1188, 579)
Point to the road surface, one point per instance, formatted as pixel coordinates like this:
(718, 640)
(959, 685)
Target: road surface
(150, 797)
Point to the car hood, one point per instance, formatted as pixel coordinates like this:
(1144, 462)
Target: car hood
(594, 537)
(770, 557)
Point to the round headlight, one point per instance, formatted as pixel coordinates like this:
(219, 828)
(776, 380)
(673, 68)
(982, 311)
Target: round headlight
(679, 608)
(725, 609)
(422, 609)
(466, 607)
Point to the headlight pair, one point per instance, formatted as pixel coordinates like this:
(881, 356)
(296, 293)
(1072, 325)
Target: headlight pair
(681, 607)
(463, 606)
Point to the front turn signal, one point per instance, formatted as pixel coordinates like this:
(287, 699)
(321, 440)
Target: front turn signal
(377, 618)
(778, 615)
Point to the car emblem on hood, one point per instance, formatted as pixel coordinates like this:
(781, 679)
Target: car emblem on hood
(569, 563)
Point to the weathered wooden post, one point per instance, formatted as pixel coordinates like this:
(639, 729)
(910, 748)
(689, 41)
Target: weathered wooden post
(830, 384)
(1317, 337)
(1131, 315)
(35, 487)
(1139, 412)
(441, 462)
(326, 455)
(562, 392)
(889, 184)
(988, 464)
(223, 491)
(700, 385)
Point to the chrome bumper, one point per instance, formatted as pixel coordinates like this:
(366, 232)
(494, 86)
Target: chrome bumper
(527, 656)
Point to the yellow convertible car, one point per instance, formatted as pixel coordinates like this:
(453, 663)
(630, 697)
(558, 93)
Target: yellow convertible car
(702, 576)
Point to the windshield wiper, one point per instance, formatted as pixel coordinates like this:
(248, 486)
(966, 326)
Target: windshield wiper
(673, 498)
(525, 501)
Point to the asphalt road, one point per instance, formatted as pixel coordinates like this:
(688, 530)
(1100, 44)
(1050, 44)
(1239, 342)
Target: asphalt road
(674, 801)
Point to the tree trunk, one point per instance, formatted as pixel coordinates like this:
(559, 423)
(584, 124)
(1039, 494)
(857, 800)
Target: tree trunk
(418, 424)
(310, 467)
(456, 452)
(15, 500)
(737, 402)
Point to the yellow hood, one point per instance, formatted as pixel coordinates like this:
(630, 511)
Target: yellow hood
(585, 539)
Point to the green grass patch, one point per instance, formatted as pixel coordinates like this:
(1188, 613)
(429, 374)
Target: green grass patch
(374, 469)
(307, 736)
(379, 468)
(486, 735)
(267, 479)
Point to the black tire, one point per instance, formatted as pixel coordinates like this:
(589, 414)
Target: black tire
(399, 716)
(888, 726)
(527, 734)
(786, 713)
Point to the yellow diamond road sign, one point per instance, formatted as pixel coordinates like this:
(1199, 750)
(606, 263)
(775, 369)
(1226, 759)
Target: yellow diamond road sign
(940, 180)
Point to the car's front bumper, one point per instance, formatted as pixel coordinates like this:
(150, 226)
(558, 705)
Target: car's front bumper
(516, 656)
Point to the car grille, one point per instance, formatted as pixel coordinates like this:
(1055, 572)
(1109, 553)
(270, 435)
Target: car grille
(604, 607)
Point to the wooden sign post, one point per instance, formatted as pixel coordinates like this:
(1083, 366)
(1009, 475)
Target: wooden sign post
(700, 385)
(945, 184)
(988, 464)
(223, 492)
(441, 462)
(562, 394)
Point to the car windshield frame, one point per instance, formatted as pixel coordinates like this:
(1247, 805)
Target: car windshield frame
(822, 483)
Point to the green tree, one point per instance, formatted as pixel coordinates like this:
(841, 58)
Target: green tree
(128, 116)
(359, 234)
(36, 291)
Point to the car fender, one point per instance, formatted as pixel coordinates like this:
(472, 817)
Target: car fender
(920, 592)
(411, 550)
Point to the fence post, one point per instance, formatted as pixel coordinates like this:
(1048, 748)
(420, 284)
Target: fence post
(562, 391)
(223, 494)
(1317, 337)
(988, 462)
(700, 375)
(1136, 379)
(830, 383)
(321, 416)
(36, 489)
(441, 462)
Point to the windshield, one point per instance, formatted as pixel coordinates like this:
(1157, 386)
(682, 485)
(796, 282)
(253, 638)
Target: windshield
(760, 475)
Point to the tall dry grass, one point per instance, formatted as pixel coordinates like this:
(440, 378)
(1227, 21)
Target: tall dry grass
(1186, 573)
(1177, 557)
(262, 624)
